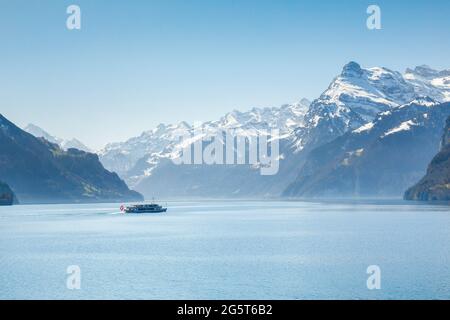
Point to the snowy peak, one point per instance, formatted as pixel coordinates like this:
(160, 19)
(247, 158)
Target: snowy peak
(64, 144)
(357, 95)
(364, 91)
(372, 90)
(423, 71)
(381, 158)
(41, 133)
(373, 86)
(352, 69)
(299, 108)
(285, 118)
(74, 144)
(427, 72)
(354, 100)
(161, 141)
(430, 82)
(303, 103)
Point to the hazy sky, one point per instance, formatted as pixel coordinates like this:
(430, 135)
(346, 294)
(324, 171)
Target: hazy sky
(135, 64)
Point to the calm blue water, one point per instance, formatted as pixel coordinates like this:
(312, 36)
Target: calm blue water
(227, 250)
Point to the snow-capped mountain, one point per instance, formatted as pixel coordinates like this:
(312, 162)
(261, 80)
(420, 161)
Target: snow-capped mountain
(353, 101)
(366, 91)
(41, 133)
(357, 95)
(134, 159)
(285, 118)
(430, 82)
(121, 157)
(381, 158)
(64, 144)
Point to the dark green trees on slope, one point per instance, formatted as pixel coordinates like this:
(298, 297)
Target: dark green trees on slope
(40, 172)
(435, 186)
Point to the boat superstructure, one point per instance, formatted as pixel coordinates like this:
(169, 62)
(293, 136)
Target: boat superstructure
(145, 208)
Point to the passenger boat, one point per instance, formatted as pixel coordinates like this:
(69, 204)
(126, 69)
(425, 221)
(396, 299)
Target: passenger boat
(144, 208)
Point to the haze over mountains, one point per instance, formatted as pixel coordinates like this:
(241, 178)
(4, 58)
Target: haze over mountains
(139, 158)
(382, 158)
(353, 100)
(372, 132)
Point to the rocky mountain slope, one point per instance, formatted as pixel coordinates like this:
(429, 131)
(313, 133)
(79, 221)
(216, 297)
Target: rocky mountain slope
(435, 186)
(41, 172)
(352, 99)
(429, 82)
(381, 158)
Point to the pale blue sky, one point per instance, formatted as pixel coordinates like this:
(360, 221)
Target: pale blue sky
(135, 64)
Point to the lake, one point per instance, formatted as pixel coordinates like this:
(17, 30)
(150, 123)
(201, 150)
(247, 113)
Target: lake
(227, 250)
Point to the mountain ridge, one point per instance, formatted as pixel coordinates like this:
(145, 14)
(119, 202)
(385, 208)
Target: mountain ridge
(73, 143)
(41, 172)
(381, 158)
(353, 99)
(137, 156)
